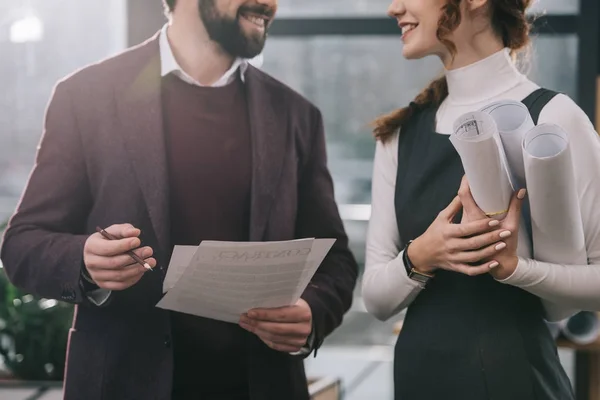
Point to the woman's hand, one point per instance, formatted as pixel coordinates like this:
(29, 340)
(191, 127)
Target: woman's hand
(507, 258)
(454, 246)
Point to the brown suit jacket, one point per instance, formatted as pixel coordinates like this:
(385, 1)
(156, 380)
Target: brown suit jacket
(102, 161)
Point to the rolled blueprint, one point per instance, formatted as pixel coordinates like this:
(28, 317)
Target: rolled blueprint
(476, 140)
(556, 223)
(513, 121)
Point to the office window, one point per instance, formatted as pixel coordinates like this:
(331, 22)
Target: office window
(348, 8)
(41, 41)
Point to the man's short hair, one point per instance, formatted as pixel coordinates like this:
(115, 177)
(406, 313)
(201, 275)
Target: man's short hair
(169, 5)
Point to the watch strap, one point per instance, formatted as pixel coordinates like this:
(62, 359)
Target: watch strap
(412, 273)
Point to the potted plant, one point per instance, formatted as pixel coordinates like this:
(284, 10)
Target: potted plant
(33, 333)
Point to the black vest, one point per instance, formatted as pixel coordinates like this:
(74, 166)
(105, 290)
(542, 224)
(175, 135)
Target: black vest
(465, 338)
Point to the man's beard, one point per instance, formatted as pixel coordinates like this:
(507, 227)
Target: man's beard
(228, 33)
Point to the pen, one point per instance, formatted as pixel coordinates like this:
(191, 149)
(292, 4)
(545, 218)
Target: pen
(131, 253)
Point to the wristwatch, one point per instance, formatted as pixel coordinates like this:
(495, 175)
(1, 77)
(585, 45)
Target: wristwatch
(412, 273)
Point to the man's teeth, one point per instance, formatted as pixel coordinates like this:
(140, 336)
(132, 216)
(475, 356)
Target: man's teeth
(407, 28)
(256, 20)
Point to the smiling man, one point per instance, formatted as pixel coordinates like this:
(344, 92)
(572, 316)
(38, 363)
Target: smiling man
(179, 140)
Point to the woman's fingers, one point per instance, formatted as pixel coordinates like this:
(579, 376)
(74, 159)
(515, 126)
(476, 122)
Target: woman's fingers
(481, 254)
(471, 228)
(480, 241)
(475, 270)
(453, 208)
(466, 198)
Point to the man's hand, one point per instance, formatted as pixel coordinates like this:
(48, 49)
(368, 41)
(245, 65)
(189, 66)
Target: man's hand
(284, 329)
(107, 262)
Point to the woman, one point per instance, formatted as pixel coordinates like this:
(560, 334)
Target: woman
(474, 327)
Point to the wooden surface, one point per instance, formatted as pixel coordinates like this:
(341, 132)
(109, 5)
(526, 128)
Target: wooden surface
(325, 388)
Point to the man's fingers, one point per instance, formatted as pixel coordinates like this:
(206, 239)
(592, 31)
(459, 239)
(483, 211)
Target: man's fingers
(285, 340)
(453, 208)
(289, 314)
(277, 342)
(283, 330)
(95, 262)
(101, 246)
(284, 348)
(122, 274)
(122, 231)
(118, 286)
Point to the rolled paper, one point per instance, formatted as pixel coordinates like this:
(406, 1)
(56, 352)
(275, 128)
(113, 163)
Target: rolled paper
(475, 138)
(582, 328)
(513, 122)
(556, 221)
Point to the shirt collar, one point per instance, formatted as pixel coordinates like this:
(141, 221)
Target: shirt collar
(169, 64)
(472, 84)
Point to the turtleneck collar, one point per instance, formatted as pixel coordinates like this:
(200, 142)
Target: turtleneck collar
(483, 80)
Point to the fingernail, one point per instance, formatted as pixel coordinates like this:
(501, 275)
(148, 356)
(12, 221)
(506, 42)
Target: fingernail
(494, 265)
(521, 194)
(252, 314)
(505, 234)
(134, 243)
(148, 252)
(501, 246)
(494, 222)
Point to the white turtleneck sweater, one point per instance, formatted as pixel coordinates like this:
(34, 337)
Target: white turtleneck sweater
(564, 289)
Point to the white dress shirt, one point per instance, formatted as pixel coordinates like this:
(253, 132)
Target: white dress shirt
(169, 64)
(564, 289)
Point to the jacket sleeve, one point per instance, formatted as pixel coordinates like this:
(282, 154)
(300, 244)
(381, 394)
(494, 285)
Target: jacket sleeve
(42, 250)
(329, 294)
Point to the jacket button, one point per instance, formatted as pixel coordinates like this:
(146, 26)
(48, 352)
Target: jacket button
(167, 341)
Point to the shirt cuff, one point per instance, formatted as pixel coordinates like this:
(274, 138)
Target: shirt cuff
(96, 295)
(99, 296)
(308, 347)
(521, 276)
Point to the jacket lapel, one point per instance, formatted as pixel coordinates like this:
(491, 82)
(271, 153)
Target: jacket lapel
(269, 147)
(139, 109)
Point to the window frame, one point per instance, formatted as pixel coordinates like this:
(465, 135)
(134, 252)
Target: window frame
(583, 25)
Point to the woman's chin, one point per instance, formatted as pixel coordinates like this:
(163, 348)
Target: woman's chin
(411, 54)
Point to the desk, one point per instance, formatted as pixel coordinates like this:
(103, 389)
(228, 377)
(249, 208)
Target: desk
(587, 366)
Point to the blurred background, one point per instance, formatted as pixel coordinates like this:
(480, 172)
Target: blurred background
(343, 55)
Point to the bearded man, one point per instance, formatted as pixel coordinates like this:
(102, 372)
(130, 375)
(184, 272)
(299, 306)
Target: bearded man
(175, 141)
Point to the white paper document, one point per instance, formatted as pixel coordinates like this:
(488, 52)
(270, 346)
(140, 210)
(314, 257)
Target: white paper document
(223, 280)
